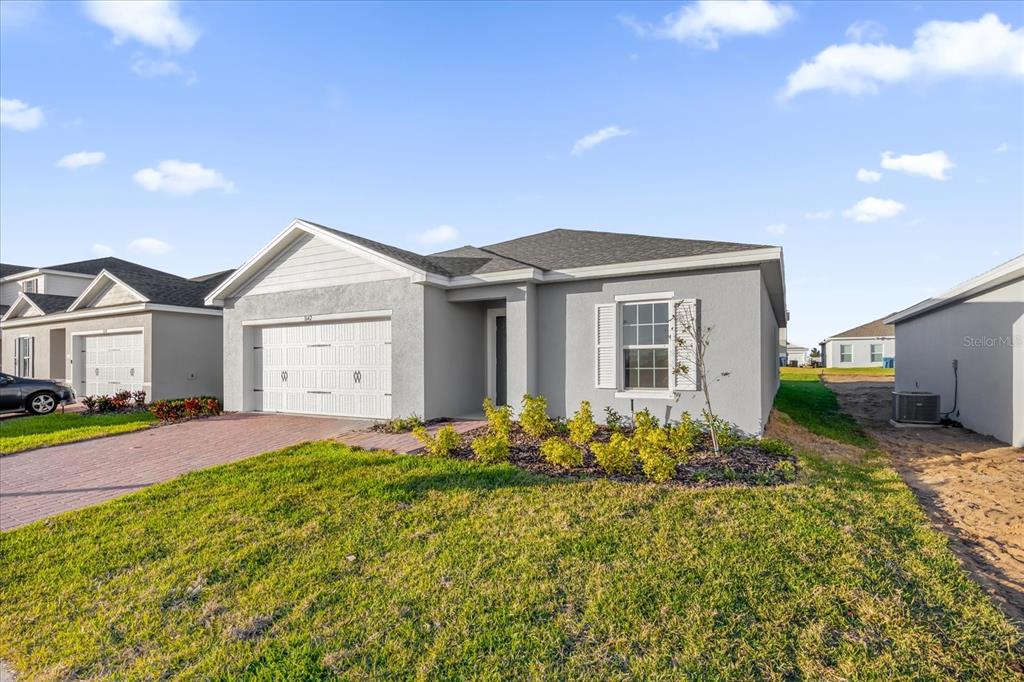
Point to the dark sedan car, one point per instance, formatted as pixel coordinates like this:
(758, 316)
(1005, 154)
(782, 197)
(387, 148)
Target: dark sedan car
(38, 396)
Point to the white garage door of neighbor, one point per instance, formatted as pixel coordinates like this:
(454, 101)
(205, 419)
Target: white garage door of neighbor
(112, 363)
(329, 368)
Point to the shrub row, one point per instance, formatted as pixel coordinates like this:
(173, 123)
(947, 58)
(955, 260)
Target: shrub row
(186, 408)
(640, 441)
(122, 401)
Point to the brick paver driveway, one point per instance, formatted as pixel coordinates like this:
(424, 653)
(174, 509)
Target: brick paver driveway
(40, 483)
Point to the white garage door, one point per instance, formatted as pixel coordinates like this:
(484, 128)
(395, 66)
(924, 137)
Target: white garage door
(330, 368)
(112, 363)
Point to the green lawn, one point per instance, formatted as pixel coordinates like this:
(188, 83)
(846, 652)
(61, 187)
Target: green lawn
(811, 404)
(865, 371)
(26, 433)
(320, 560)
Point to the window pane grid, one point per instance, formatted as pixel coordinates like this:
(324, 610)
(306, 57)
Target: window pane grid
(645, 345)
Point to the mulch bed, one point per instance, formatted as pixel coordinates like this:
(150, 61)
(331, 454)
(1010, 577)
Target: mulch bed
(385, 427)
(746, 465)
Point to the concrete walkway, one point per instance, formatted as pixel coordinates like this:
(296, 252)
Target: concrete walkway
(48, 481)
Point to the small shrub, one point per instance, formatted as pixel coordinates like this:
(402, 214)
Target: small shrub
(785, 470)
(104, 403)
(440, 444)
(682, 436)
(139, 399)
(614, 420)
(775, 447)
(644, 420)
(729, 435)
(729, 474)
(89, 402)
(499, 419)
(615, 456)
(652, 447)
(403, 424)
(561, 452)
(560, 427)
(582, 427)
(189, 408)
(491, 449)
(193, 407)
(534, 418)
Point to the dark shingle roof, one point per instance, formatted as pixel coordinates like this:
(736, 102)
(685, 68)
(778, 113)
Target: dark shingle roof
(51, 303)
(10, 269)
(407, 257)
(168, 289)
(551, 250)
(468, 260)
(875, 328)
(96, 265)
(217, 277)
(561, 249)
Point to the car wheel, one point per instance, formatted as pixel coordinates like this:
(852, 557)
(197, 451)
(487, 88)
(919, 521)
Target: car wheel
(42, 403)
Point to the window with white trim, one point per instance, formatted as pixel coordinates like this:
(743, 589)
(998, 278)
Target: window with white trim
(30, 286)
(645, 345)
(24, 356)
(876, 352)
(846, 352)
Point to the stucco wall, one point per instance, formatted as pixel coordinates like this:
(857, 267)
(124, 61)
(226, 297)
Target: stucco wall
(731, 303)
(861, 352)
(403, 298)
(769, 355)
(187, 354)
(455, 355)
(985, 334)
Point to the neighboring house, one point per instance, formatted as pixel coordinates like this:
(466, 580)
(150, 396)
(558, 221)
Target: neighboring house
(796, 355)
(106, 324)
(967, 345)
(9, 290)
(325, 322)
(869, 345)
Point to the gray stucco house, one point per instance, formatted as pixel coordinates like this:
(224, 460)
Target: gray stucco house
(872, 344)
(326, 322)
(967, 345)
(107, 324)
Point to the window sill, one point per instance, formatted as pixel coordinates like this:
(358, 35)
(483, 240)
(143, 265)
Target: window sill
(658, 394)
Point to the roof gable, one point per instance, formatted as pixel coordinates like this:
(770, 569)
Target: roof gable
(873, 329)
(37, 305)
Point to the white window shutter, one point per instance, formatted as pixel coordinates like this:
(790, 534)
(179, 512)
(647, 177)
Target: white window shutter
(32, 354)
(604, 345)
(684, 345)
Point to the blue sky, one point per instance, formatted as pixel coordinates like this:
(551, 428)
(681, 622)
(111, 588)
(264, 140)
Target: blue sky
(393, 120)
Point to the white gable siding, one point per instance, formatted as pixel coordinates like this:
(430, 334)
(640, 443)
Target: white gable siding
(313, 263)
(113, 294)
(29, 311)
(63, 285)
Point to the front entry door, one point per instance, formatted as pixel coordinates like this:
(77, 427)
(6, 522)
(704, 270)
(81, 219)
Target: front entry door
(500, 362)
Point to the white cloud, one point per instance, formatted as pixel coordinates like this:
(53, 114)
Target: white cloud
(986, 47)
(818, 215)
(181, 178)
(706, 21)
(593, 139)
(19, 14)
(933, 164)
(156, 68)
(865, 30)
(865, 175)
(153, 22)
(438, 235)
(1001, 149)
(872, 209)
(80, 159)
(17, 115)
(776, 228)
(150, 245)
(102, 250)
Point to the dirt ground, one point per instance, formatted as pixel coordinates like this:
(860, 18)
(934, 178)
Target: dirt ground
(971, 486)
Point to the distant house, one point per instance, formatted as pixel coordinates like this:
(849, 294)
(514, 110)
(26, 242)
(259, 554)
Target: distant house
(869, 345)
(967, 345)
(796, 355)
(106, 325)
